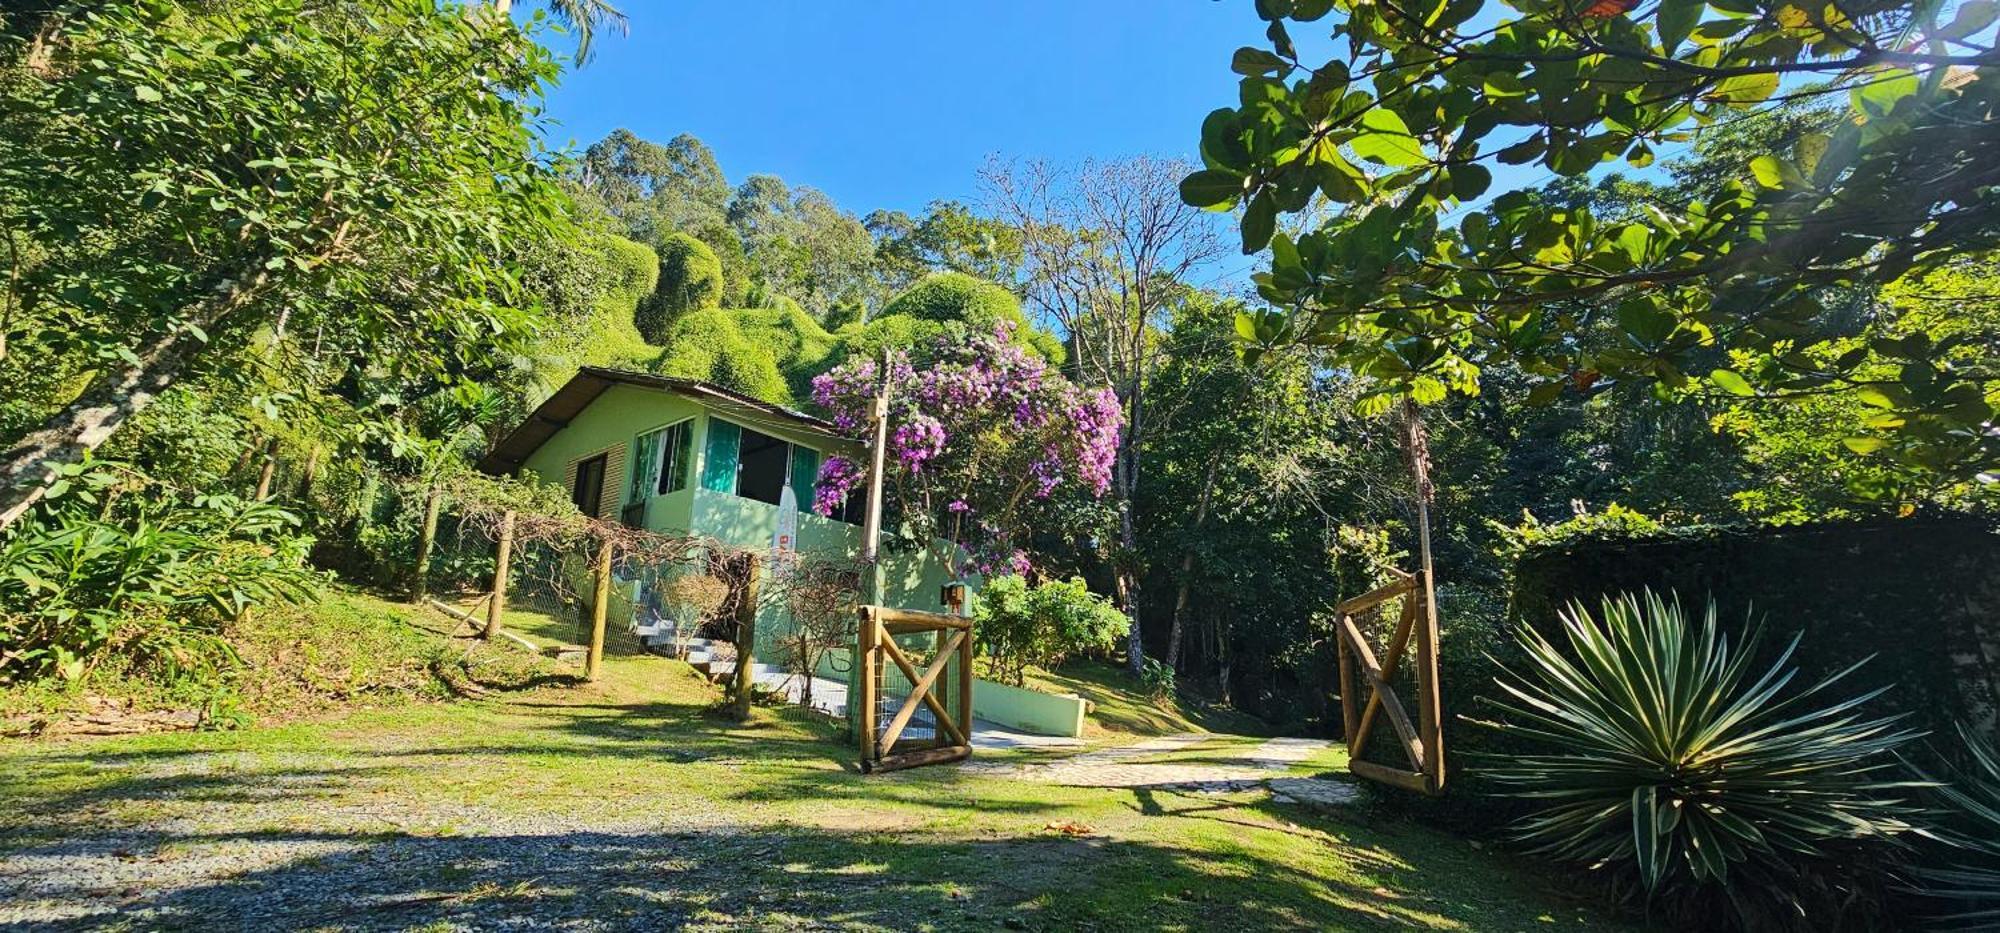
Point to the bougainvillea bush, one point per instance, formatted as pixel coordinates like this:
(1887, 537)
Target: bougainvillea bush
(985, 443)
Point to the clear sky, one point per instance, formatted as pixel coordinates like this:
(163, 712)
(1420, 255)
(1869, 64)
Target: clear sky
(894, 103)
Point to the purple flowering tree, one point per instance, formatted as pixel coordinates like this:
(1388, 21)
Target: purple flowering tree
(984, 440)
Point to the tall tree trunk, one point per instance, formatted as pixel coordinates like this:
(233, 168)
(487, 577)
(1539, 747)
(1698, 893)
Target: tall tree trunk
(1125, 483)
(267, 472)
(1187, 562)
(29, 468)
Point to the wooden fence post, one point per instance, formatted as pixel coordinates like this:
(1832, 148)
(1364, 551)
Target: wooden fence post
(599, 604)
(426, 540)
(861, 693)
(1430, 725)
(744, 677)
(498, 602)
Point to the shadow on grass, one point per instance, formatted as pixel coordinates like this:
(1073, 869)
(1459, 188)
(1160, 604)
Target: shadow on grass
(645, 881)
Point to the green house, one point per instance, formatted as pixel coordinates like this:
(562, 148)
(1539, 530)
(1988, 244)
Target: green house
(684, 457)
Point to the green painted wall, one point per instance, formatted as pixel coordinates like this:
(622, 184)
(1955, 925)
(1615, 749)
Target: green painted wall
(623, 413)
(1026, 710)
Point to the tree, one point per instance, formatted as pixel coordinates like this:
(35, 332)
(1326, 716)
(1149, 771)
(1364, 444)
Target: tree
(584, 17)
(954, 298)
(1711, 293)
(948, 238)
(982, 435)
(800, 244)
(177, 172)
(690, 280)
(1108, 248)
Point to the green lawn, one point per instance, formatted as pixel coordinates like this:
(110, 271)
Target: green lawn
(765, 824)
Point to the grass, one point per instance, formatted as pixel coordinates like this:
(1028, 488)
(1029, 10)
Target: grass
(345, 651)
(761, 824)
(1120, 708)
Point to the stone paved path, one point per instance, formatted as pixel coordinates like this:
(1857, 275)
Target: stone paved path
(1228, 768)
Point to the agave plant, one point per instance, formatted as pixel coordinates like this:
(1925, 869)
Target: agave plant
(1668, 764)
(1970, 885)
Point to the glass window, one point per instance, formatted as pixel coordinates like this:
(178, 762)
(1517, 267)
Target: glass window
(763, 464)
(666, 457)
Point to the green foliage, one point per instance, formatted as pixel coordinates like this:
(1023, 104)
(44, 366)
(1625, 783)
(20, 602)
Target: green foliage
(690, 280)
(1614, 522)
(183, 190)
(948, 237)
(120, 567)
(709, 345)
(1751, 261)
(956, 298)
(1020, 625)
(1663, 760)
(1964, 884)
(1158, 678)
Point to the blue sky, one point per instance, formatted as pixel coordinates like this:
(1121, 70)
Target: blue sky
(894, 103)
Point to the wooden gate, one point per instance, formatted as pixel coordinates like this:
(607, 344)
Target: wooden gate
(910, 717)
(1422, 743)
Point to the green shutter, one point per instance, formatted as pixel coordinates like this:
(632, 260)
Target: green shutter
(718, 468)
(805, 471)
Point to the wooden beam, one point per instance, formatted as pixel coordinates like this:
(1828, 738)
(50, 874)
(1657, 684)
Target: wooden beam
(929, 756)
(862, 692)
(1390, 659)
(910, 621)
(1349, 686)
(1375, 597)
(600, 603)
(504, 553)
(919, 688)
(1398, 718)
(965, 684)
(745, 675)
(909, 670)
(1430, 725)
(1407, 780)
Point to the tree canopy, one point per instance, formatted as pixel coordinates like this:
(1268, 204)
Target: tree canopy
(1425, 281)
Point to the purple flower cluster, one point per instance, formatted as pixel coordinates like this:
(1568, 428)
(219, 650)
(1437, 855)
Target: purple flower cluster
(917, 441)
(983, 430)
(837, 477)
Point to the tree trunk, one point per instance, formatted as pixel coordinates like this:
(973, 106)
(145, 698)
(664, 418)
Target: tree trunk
(1187, 562)
(309, 474)
(29, 468)
(265, 473)
(1125, 482)
(426, 540)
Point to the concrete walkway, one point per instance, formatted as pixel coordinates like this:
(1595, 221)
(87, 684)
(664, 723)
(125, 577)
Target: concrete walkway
(1229, 768)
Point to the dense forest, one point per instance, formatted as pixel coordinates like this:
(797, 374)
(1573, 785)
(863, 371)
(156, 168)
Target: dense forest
(279, 273)
(1247, 499)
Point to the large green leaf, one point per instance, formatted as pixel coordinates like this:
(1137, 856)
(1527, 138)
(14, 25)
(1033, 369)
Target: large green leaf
(1387, 139)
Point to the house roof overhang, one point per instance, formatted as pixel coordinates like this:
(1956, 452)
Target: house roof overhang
(556, 412)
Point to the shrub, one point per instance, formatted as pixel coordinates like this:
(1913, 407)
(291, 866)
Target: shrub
(1018, 625)
(978, 305)
(690, 280)
(119, 567)
(1661, 763)
(1965, 885)
(710, 345)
